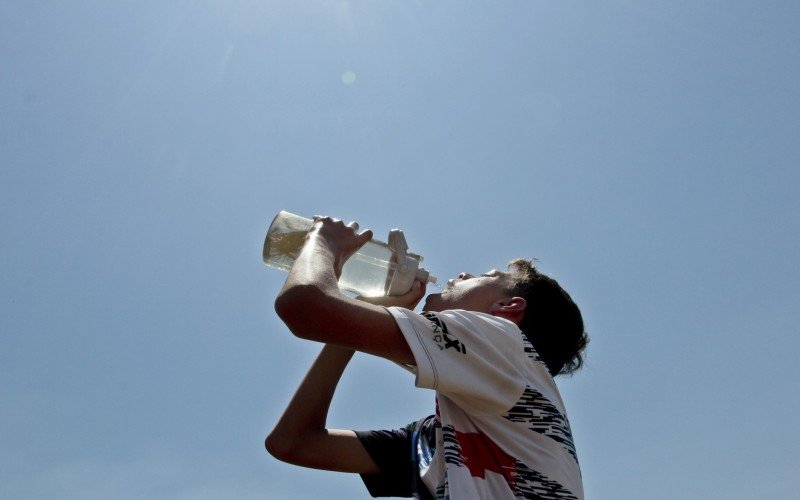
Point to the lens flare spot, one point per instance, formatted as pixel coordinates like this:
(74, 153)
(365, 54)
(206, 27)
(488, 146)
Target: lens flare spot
(348, 77)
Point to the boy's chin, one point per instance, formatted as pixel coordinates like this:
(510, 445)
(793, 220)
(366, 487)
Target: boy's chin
(433, 303)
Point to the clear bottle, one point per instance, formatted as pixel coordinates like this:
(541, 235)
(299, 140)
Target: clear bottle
(377, 268)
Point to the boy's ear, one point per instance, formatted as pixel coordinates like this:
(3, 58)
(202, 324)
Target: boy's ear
(512, 309)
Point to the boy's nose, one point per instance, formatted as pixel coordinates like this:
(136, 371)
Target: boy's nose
(465, 276)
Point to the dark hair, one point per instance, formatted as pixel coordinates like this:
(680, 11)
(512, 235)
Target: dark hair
(552, 321)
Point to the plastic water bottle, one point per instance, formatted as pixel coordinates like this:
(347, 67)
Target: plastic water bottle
(377, 268)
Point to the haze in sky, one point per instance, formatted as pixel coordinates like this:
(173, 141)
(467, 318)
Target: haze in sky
(645, 152)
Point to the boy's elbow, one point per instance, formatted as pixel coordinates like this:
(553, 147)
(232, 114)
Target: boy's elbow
(286, 303)
(293, 304)
(274, 446)
(279, 447)
(301, 307)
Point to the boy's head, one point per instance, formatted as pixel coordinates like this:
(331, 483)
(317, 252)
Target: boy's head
(535, 302)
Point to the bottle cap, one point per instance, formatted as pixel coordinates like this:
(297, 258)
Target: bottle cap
(424, 276)
(407, 268)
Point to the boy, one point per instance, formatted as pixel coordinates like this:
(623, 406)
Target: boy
(500, 429)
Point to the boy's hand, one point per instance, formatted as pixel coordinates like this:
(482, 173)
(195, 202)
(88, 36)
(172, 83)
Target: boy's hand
(407, 301)
(342, 240)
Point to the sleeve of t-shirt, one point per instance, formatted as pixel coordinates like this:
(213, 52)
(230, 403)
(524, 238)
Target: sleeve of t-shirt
(477, 360)
(391, 452)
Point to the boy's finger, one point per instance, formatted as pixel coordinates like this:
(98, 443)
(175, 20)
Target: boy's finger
(364, 237)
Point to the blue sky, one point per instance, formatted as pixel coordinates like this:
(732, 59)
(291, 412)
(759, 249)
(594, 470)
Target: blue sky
(646, 152)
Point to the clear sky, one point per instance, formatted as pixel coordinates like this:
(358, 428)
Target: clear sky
(645, 151)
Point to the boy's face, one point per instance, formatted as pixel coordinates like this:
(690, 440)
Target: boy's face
(471, 293)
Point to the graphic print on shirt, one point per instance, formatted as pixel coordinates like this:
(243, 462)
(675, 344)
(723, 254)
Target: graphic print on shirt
(530, 351)
(531, 484)
(479, 454)
(441, 336)
(540, 415)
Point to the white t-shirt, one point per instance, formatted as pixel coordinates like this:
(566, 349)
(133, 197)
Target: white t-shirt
(501, 431)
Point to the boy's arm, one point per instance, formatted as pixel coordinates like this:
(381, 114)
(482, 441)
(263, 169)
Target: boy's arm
(300, 436)
(314, 308)
(307, 304)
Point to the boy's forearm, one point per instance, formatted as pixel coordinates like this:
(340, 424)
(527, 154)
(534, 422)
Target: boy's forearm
(313, 267)
(308, 410)
(311, 282)
(300, 436)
